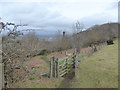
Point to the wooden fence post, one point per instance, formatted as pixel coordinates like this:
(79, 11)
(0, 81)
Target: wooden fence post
(74, 61)
(51, 67)
(66, 63)
(57, 68)
(2, 82)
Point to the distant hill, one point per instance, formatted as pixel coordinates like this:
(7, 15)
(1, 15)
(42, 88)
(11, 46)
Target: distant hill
(99, 33)
(106, 26)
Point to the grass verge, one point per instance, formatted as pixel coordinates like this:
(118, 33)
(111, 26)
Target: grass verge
(99, 70)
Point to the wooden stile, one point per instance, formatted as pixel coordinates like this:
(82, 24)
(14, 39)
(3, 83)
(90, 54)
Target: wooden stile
(60, 67)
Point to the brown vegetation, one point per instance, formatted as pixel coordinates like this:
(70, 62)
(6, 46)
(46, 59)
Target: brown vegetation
(18, 49)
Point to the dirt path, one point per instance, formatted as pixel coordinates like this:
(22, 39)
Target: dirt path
(67, 80)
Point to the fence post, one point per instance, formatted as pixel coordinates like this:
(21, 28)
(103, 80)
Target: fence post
(51, 67)
(66, 53)
(55, 65)
(77, 62)
(66, 63)
(2, 81)
(57, 68)
(74, 61)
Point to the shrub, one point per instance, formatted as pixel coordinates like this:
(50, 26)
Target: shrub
(110, 42)
(43, 52)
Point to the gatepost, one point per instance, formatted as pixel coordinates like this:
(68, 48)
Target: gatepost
(1, 66)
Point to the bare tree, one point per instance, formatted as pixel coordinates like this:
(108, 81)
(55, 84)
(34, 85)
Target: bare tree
(11, 31)
(10, 48)
(77, 28)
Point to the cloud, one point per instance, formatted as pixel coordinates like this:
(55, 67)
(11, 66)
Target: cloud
(51, 16)
(100, 18)
(97, 19)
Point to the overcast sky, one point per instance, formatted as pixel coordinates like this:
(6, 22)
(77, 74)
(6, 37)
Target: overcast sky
(53, 16)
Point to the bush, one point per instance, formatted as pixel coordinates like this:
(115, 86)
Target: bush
(43, 52)
(110, 42)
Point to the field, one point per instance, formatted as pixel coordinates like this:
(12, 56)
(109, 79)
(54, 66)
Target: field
(59, 47)
(99, 70)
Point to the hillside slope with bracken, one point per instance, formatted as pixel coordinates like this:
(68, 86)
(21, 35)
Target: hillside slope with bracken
(99, 33)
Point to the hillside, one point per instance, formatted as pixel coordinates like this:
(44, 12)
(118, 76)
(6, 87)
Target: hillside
(105, 26)
(99, 70)
(98, 34)
(109, 27)
(26, 58)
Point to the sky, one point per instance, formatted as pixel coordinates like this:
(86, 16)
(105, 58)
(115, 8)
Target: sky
(51, 16)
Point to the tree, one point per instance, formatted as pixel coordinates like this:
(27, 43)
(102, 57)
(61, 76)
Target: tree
(77, 30)
(11, 31)
(10, 49)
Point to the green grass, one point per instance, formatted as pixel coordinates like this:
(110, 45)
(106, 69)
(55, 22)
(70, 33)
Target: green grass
(41, 83)
(33, 71)
(16, 79)
(32, 77)
(61, 62)
(45, 58)
(99, 70)
(69, 60)
(81, 57)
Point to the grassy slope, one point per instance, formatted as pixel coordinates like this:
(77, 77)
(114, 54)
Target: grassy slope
(99, 70)
(35, 80)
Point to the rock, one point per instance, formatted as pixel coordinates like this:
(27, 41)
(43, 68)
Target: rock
(45, 75)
